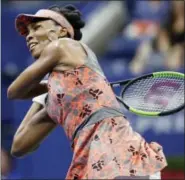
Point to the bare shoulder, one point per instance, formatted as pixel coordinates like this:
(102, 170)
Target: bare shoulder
(52, 48)
(70, 43)
(73, 51)
(68, 52)
(60, 45)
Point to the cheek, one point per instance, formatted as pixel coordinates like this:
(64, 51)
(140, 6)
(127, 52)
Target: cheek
(41, 36)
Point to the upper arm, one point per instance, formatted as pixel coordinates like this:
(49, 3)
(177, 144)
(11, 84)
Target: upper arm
(35, 107)
(41, 122)
(32, 133)
(36, 72)
(47, 61)
(39, 127)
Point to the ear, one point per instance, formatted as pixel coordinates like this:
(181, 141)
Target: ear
(63, 32)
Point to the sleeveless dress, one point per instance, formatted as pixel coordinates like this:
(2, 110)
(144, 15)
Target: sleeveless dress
(103, 142)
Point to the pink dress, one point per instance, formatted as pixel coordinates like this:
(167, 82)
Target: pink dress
(103, 149)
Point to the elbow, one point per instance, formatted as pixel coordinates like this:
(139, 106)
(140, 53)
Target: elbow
(20, 148)
(11, 94)
(16, 150)
(16, 153)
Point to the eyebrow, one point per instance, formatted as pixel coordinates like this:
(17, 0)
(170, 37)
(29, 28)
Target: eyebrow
(33, 24)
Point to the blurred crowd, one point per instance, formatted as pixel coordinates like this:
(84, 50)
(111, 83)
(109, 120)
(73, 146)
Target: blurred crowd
(160, 25)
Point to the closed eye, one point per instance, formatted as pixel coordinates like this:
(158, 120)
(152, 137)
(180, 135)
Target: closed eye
(37, 27)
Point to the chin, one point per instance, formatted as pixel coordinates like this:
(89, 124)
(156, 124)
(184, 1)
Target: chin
(36, 54)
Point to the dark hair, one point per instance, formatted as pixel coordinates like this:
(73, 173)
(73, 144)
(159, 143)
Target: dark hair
(73, 15)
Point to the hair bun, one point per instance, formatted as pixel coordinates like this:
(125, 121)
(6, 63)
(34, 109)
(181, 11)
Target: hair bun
(73, 15)
(70, 7)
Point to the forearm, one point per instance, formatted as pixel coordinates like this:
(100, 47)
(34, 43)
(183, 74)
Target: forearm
(33, 74)
(35, 91)
(27, 93)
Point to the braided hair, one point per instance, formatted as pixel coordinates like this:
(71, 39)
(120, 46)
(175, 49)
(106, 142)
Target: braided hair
(73, 15)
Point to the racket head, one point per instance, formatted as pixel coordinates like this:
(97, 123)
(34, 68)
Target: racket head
(156, 94)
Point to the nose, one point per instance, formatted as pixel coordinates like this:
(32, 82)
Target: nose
(29, 37)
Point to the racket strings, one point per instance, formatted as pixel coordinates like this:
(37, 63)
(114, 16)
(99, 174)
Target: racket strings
(155, 94)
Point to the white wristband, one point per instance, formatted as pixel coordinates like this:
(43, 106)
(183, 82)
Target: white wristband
(40, 99)
(44, 81)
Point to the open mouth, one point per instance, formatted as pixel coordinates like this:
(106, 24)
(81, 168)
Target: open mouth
(32, 46)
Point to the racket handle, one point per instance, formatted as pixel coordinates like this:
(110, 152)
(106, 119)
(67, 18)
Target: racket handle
(119, 83)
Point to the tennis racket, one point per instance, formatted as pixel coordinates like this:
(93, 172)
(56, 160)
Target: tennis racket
(155, 94)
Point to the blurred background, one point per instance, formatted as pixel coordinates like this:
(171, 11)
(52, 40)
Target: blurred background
(130, 38)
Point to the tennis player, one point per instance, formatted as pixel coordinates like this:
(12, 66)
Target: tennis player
(79, 99)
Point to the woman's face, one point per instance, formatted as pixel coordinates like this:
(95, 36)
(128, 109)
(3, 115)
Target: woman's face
(40, 34)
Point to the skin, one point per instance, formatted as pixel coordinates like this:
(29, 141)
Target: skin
(5, 162)
(35, 126)
(53, 51)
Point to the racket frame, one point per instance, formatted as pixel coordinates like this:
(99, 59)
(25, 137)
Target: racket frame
(129, 82)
